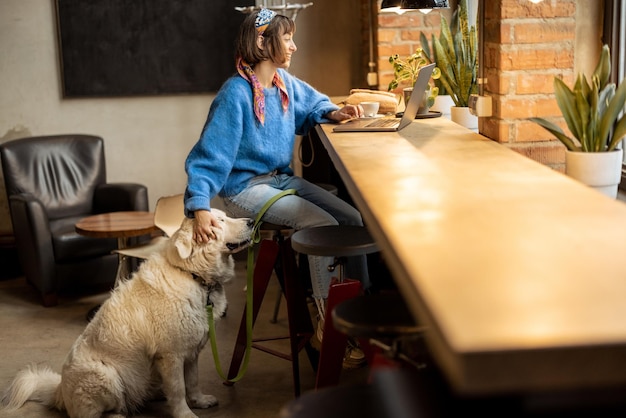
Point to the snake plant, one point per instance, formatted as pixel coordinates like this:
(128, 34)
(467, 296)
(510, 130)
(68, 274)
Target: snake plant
(456, 53)
(591, 111)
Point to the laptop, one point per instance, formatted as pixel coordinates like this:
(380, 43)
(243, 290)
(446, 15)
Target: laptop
(393, 124)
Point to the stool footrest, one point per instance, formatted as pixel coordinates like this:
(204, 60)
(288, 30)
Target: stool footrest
(303, 341)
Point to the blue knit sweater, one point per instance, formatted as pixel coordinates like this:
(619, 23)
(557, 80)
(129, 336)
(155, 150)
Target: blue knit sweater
(234, 147)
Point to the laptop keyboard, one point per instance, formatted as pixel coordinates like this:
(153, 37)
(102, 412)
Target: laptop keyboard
(383, 123)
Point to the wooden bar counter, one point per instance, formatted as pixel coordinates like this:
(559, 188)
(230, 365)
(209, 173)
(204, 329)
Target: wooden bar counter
(517, 271)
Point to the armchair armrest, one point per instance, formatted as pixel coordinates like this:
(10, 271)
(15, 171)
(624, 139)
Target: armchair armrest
(114, 197)
(33, 240)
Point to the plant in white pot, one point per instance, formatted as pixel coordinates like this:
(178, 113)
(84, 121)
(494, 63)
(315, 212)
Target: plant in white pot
(456, 53)
(405, 72)
(593, 113)
(443, 101)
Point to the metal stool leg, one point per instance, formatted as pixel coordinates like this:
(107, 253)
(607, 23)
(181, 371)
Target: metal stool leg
(334, 342)
(268, 254)
(300, 326)
(277, 255)
(279, 297)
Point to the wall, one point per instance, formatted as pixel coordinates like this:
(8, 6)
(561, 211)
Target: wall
(400, 34)
(146, 138)
(528, 45)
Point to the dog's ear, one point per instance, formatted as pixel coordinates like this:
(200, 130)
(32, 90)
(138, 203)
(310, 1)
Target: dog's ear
(183, 246)
(182, 239)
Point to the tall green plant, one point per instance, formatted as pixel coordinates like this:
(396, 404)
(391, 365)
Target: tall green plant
(456, 53)
(591, 111)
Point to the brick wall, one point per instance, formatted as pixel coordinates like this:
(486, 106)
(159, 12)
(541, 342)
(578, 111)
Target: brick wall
(526, 46)
(400, 34)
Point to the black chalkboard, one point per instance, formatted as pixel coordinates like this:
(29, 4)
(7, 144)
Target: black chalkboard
(146, 47)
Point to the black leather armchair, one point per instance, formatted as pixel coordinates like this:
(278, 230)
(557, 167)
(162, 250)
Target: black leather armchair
(51, 183)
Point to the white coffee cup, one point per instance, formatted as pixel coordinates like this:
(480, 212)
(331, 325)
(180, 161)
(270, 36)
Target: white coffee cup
(370, 109)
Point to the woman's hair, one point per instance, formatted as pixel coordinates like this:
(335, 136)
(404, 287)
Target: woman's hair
(246, 44)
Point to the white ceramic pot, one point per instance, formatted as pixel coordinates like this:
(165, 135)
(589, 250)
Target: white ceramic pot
(599, 170)
(462, 116)
(443, 103)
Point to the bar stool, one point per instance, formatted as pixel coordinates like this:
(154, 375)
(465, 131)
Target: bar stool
(340, 242)
(385, 321)
(276, 255)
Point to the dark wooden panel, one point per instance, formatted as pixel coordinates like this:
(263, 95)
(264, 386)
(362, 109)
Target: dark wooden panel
(146, 47)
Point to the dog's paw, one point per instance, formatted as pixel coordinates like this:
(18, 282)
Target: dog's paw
(203, 401)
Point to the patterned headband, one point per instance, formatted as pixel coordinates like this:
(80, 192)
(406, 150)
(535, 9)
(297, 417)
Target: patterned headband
(263, 19)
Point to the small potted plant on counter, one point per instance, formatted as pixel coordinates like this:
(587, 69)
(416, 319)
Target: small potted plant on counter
(593, 113)
(406, 70)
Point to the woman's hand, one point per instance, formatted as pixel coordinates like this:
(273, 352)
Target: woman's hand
(203, 225)
(346, 112)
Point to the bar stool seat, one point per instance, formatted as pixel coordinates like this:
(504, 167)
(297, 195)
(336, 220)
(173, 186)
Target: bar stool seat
(334, 241)
(340, 242)
(386, 322)
(379, 316)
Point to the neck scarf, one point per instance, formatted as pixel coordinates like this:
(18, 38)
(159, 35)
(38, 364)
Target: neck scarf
(246, 71)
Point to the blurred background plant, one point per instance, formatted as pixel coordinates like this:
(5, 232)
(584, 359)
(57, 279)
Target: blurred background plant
(455, 52)
(593, 111)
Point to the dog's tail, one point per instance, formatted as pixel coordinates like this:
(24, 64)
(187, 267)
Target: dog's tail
(33, 383)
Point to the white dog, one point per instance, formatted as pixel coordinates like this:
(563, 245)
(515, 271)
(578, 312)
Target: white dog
(145, 339)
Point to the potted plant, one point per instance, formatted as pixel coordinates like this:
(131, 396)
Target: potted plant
(443, 102)
(593, 114)
(456, 53)
(406, 70)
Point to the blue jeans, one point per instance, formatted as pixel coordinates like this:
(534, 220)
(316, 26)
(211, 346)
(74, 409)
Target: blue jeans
(312, 206)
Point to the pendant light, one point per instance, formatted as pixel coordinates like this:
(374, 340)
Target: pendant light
(401, 6)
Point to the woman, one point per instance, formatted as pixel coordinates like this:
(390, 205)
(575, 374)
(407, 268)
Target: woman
(246, 146)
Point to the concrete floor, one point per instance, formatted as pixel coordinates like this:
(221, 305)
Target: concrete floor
(32, 333)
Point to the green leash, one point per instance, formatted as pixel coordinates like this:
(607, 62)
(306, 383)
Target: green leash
(256, 238)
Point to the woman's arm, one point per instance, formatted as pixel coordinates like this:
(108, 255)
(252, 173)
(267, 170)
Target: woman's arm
(212, 157)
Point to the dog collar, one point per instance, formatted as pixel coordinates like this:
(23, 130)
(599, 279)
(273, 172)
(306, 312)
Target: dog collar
(198, 279)
(207, 286)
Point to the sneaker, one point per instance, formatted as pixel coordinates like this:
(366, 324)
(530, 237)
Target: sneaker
(354, 357)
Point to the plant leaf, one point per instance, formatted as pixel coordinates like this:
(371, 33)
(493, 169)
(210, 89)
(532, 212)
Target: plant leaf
(587, 108)
(607, 120)
(556, 131)
(602, 73)
(566, 100)
(426, 47)
(618, 134)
